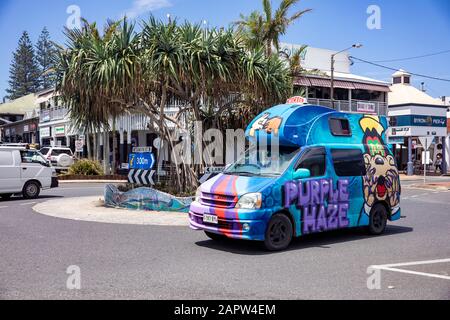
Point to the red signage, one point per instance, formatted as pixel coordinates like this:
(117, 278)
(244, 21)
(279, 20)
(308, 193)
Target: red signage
(297, 100)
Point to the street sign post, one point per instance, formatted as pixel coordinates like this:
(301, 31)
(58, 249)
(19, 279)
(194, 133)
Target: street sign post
(426, 143)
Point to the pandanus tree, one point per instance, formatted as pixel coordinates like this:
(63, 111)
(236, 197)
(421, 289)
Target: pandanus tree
(212, 72)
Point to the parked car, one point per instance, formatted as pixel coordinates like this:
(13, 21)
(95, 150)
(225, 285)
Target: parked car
(333, 170)
(24, 171)
(61, 158)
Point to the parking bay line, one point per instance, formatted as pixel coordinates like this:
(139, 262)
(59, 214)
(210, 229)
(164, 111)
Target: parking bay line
(391, 267)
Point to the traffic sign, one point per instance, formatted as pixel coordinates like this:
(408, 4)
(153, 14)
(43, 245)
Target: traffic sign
(426, 142)
(141, 160)
(144, 177)
(79, 145)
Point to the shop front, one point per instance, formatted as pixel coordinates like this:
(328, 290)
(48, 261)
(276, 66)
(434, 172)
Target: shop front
(418, 123)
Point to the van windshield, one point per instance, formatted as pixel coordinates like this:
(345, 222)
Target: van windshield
(262, 162)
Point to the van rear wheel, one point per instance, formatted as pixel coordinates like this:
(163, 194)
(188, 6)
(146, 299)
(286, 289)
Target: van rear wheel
(378, 219)
(279, 233)
(31, 190)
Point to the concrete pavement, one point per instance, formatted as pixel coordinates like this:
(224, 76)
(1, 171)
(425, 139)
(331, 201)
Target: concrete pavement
(160, 262)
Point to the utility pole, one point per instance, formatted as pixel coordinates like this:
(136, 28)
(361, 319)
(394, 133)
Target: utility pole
(356, 46)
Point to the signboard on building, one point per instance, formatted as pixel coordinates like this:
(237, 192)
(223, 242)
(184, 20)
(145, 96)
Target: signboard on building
(60, 131)
(366, 107)
(26, 128)
(44, 132)
(45, 116)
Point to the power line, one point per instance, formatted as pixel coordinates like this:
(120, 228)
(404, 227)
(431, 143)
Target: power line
(415, 57)
(396, 69)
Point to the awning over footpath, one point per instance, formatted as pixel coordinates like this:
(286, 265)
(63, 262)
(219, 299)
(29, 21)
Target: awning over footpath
(308, 81)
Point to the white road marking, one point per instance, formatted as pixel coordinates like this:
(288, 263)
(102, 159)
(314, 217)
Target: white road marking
(27, 203)
(80, 188)
(391, 267)
(415, 263)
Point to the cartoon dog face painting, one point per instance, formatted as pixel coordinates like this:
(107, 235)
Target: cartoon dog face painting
(381, 182)
(271, 125)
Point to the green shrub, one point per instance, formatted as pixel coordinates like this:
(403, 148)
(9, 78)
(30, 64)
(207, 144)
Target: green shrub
(86, 167)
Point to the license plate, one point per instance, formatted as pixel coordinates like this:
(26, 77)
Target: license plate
(210, 219)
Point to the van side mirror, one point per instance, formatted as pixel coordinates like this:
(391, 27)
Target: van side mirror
(302, 174)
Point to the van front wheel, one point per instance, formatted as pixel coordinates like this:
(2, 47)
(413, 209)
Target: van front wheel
(279, 233)
(377, 219)
(31, 190)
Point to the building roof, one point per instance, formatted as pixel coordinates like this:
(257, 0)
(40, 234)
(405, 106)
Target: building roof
(21, 105)
(402, 94)
(342, 80)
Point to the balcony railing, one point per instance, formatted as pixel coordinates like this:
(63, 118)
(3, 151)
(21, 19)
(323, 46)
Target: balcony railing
(355, 106)
(53, 114)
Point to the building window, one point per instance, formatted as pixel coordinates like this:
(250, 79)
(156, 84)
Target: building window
(340, 127)
(406, 79)
(397, 80)
(348, 162)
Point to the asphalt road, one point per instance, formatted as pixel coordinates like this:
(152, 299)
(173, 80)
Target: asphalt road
(150, 262)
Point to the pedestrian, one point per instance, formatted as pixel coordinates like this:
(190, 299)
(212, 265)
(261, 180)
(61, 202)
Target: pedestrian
(438, 164)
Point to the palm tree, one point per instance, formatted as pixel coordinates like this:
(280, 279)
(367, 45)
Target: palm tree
(267, 27)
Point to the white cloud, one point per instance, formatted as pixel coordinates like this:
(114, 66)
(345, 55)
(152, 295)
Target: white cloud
(144, 6)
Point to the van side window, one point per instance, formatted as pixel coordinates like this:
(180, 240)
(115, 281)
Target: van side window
(340, 127)
(348, 162)
(27, 156)
(314, 160)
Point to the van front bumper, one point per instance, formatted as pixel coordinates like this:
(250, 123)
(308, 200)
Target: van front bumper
(232, 223)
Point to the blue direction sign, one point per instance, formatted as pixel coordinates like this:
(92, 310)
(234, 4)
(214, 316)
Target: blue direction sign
(141, 160)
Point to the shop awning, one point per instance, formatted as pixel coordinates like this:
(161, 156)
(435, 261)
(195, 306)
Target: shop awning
(326, 83)
(371, 87)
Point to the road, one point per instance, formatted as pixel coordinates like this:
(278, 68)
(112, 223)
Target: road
(154, 262)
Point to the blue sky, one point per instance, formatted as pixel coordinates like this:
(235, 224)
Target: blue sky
(408, 28)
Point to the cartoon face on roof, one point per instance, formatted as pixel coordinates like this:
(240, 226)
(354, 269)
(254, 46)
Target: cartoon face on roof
(270, 125)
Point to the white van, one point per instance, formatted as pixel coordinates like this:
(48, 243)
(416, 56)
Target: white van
(24, 171)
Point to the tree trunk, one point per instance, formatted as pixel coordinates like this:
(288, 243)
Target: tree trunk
(95, 146)
(106, 152)
(114, 157)
(87, 138)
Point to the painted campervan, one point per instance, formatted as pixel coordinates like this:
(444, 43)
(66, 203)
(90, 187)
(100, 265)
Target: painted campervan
(331, 170)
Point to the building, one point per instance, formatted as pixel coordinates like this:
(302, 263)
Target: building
(352, 93)
(19, 120)
(414, 114)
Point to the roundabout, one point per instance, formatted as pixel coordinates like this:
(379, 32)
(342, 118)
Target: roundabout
(91, 209)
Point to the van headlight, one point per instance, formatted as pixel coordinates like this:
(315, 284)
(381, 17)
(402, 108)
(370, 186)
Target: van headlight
(250, 201)
(198, 194)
